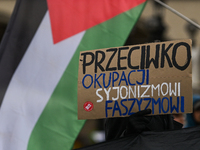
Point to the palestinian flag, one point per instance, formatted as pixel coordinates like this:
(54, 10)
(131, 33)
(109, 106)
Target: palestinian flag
(39, 66)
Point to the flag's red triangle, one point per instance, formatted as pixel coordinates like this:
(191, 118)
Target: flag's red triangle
(69, 17)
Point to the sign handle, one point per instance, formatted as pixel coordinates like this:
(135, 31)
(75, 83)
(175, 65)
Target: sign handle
(178, 13)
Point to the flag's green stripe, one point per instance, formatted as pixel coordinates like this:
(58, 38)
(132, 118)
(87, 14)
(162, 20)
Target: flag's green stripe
(58, 127)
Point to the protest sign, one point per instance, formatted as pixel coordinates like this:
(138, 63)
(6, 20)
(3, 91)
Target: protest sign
(119, 81)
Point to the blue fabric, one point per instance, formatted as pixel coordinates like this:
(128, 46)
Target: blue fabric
(189, 117)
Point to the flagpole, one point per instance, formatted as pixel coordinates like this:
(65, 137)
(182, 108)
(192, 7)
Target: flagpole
(178, 13)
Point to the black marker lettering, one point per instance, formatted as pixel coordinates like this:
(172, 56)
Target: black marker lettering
(155, 61)
(129, 57)
(188, 56)
(142, 57)
(121, 58)
(84, 60)
(98, 63)
(114, 50)
(164, 54)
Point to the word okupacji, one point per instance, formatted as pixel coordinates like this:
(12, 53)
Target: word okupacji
(115, 78)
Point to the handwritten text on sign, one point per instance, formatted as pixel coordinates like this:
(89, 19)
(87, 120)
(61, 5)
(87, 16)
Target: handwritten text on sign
(120, 81)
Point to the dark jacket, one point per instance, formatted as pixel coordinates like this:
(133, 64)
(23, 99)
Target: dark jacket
(137, 123)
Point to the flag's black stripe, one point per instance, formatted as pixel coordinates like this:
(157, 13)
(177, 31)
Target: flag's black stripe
(23, 24)
(183, 139)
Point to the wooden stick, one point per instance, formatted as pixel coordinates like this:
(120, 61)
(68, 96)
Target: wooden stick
(178, 13)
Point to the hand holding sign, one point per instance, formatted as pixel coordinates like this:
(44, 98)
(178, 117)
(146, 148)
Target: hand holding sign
(138, 122)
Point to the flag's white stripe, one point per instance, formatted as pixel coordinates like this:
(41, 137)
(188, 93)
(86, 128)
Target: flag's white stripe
(32, 85)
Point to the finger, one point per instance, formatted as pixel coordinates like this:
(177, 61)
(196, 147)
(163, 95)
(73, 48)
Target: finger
(142, 113)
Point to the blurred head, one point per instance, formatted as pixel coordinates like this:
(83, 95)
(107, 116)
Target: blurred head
(179, 118)
(192, 119)
(196, 112)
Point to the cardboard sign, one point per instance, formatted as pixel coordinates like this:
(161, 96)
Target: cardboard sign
(119, 81)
